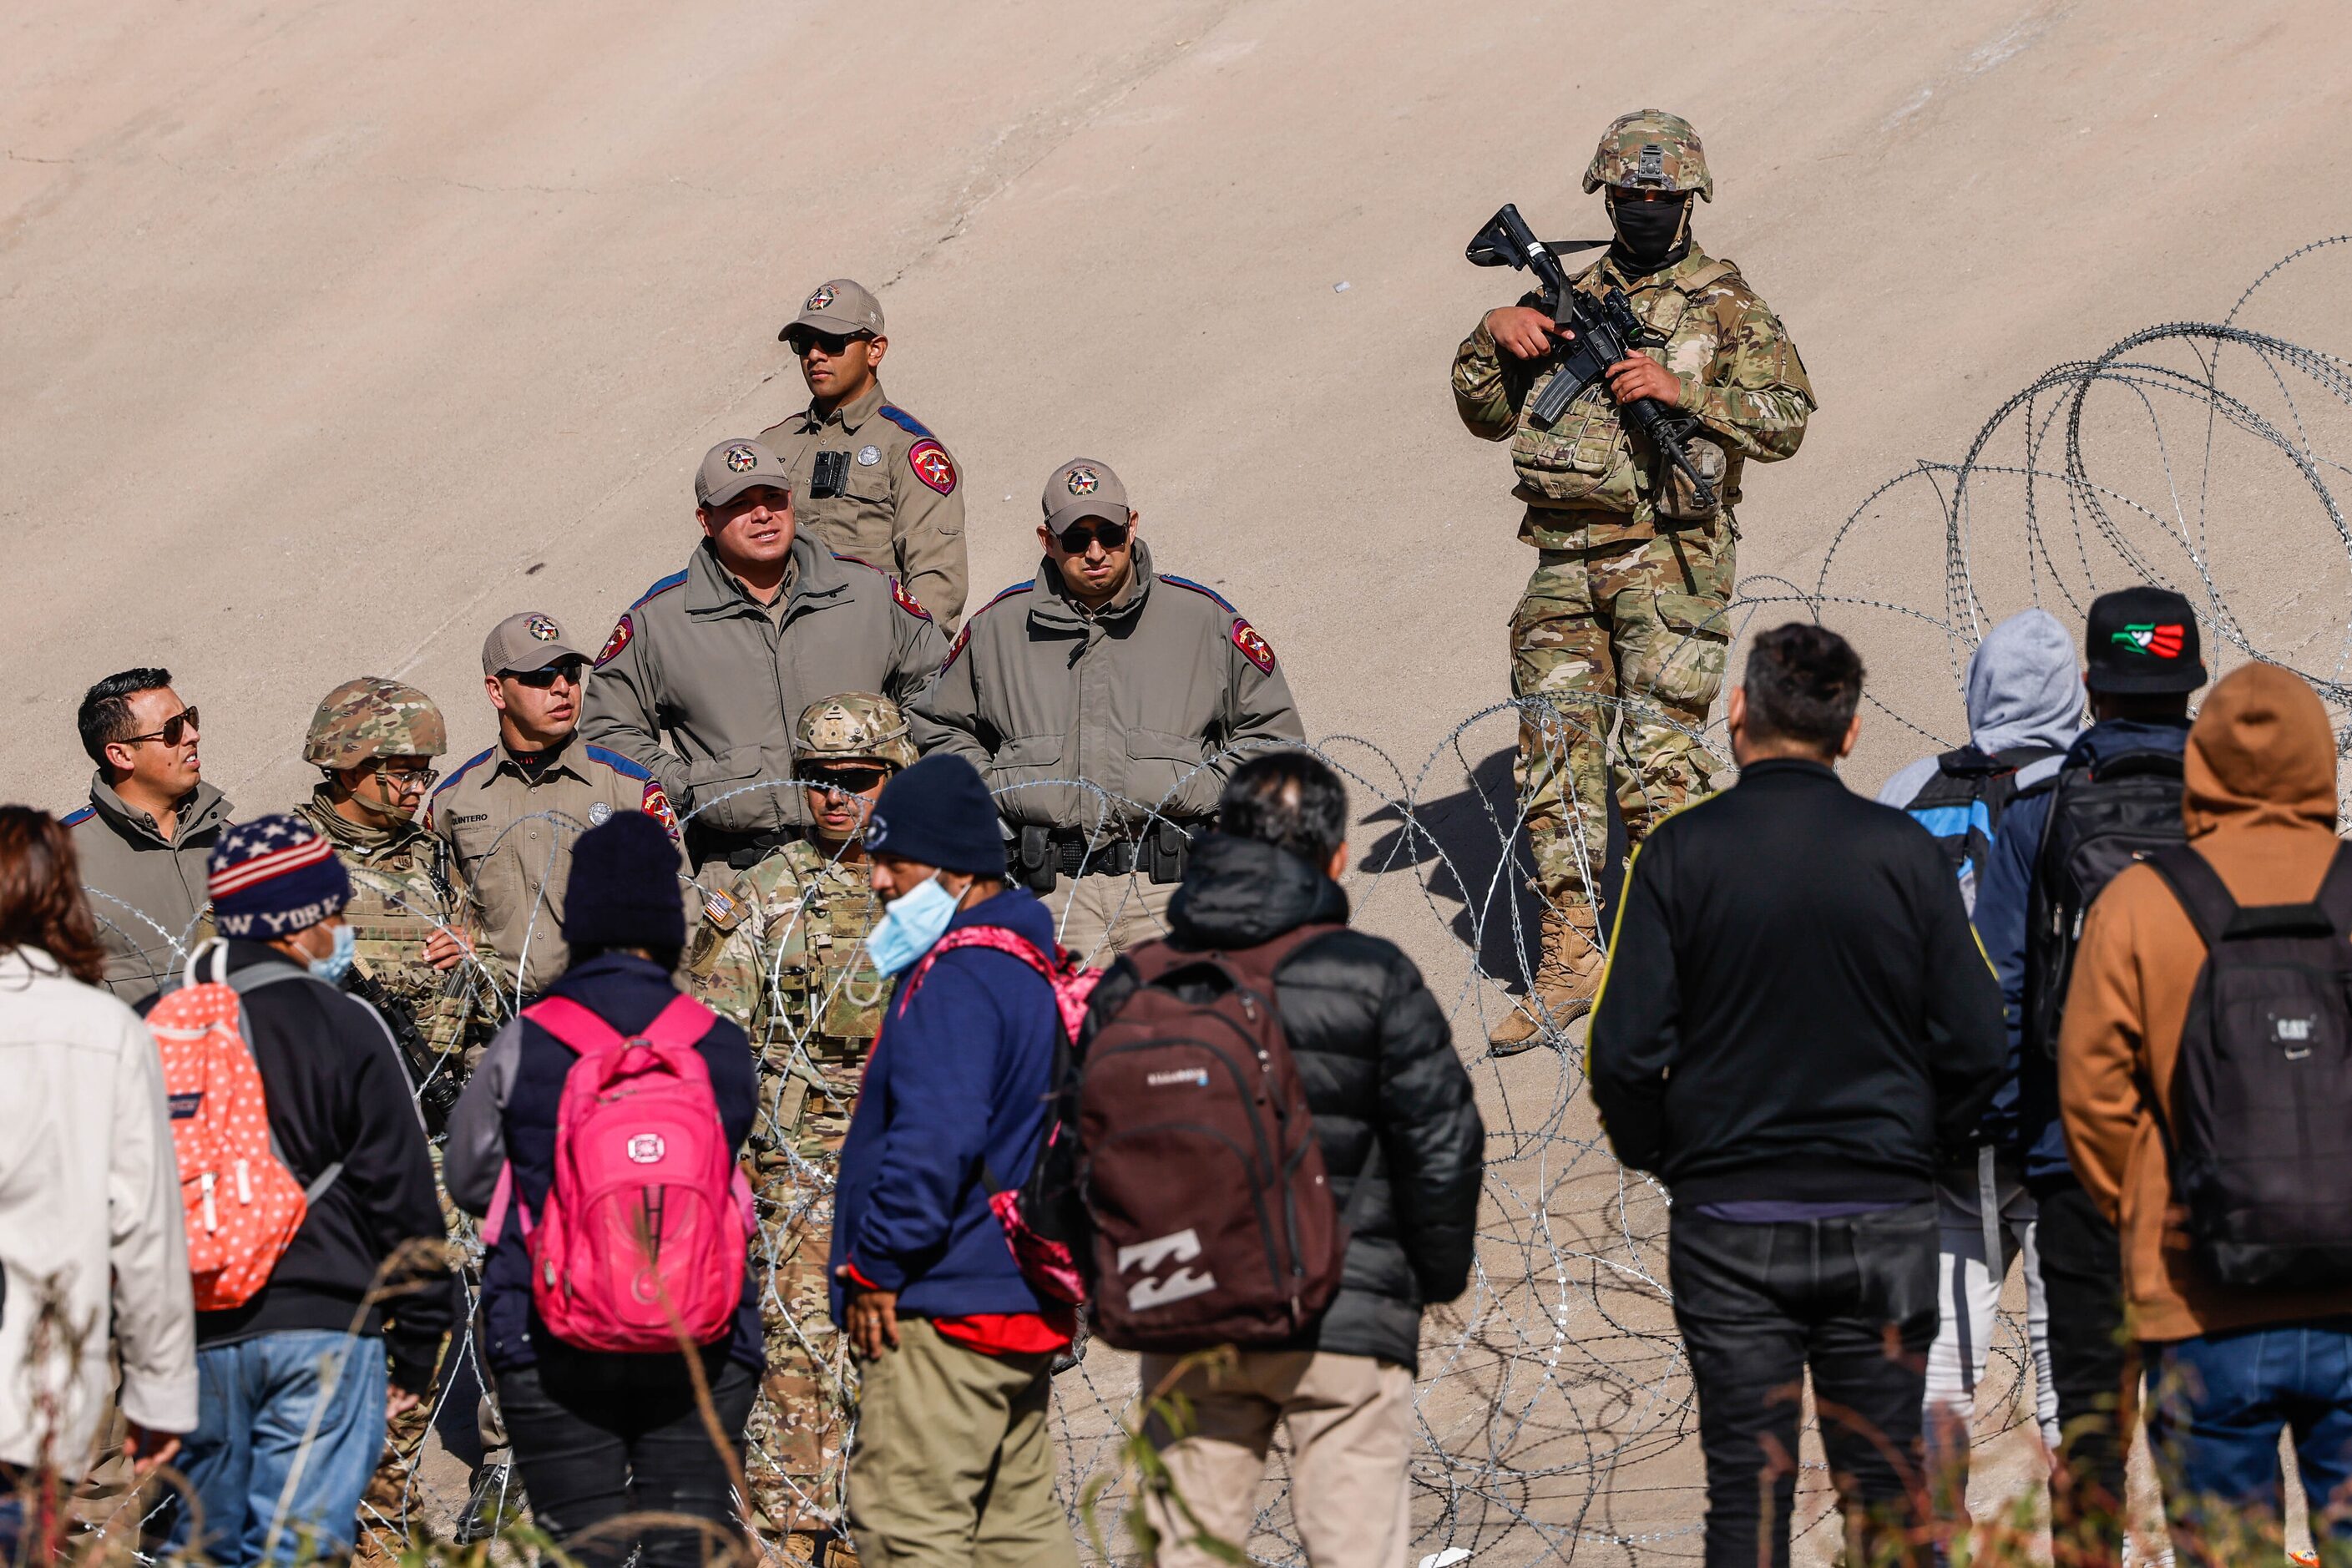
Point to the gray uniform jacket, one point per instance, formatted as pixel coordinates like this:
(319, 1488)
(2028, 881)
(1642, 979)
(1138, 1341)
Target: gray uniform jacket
(700, 659)
(1146, 700)
(145, 889)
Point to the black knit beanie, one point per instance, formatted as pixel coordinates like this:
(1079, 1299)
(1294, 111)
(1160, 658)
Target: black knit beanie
(939, 813)
(624, 890)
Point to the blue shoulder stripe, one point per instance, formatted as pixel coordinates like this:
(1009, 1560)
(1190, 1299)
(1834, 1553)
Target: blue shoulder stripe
(621, 764)
(1016, 588)
(659, 589)
(1200, 588)
(904, 420)
(75, 819)
(471, 765)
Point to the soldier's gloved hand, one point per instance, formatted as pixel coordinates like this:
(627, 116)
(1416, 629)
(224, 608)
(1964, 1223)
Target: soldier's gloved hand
(1525, 332)
(446, 948)
(1637, 376)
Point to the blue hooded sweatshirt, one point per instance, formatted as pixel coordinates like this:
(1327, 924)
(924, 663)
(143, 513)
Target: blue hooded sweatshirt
(959, 1075)
(2002, 903)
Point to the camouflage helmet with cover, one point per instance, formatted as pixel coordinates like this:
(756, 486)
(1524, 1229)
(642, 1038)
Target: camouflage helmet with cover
(371, 717)
(854, 727)
(1653, 150)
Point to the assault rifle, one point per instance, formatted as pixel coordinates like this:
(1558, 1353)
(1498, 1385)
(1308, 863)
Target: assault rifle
(431, 1074)
(1605, 330)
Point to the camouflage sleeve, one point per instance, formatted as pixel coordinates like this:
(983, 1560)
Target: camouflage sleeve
(927, 529)
(1487, 396)
(947, 718)
(623, 712)
(724, 962)
(1757, 397)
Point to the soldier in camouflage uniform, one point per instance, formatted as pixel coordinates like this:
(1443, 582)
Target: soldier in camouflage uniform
(779, 952)
(435, 986)
(1623, 622)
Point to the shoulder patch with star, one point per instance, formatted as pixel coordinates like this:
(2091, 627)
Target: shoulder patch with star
(1253, 647)
(932, 465)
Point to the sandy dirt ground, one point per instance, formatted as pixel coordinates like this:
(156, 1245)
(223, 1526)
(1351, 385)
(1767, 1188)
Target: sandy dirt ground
(331, 335)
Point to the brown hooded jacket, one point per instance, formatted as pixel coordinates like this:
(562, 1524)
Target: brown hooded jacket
(2260, 806)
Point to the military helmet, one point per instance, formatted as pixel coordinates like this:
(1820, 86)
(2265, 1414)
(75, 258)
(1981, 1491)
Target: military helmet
(857, 726)
(371, 717)
(1653, 150)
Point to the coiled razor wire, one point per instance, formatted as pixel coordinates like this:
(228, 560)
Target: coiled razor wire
(1553, 1417)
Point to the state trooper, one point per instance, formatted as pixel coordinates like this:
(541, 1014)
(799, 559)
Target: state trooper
(510, 814)
(1623, 623)
(1105, 702)
(782, 952)
(870, 478)
(726, 655)
(415, 958)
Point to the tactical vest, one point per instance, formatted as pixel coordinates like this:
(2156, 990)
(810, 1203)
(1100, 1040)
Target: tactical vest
(1588, 460)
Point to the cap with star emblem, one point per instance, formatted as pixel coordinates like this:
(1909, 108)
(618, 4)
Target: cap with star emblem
(838, 306)
(1084, 487)
(735, 466)
(526, 642)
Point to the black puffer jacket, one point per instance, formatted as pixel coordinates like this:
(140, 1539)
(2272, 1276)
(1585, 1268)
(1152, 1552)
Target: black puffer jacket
(1377, 1058)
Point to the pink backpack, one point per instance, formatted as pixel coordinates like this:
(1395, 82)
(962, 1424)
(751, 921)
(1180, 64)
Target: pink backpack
(1047, 1264)
(643, 1237)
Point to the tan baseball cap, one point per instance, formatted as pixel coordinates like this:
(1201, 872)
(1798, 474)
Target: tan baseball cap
(735, 466)
(528, 641)
(838, 305)
(1084, 487)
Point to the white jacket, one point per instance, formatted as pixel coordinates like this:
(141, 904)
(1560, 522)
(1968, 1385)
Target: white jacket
(89, 1198)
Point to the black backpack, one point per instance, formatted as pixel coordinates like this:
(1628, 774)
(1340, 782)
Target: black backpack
(2260, 1144)
(1962, 806)
(2102, 818)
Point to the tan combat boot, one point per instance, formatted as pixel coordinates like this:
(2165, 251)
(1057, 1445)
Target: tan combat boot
(1567, 973)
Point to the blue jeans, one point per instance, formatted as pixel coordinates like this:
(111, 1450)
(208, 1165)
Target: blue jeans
(2216, 1406)
(293, 1418)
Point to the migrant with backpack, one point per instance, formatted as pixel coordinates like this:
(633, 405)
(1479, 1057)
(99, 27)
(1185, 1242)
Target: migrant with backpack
(2116, 799)
(315, 1236)
(2205, 1068)
(600, 1140)
(1264, 1140)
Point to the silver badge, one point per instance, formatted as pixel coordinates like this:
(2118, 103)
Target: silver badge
(599, 814)
(868, 456)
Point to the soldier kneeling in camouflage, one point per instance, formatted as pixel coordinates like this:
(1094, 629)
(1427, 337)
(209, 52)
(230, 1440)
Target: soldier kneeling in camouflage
(1622, 626)
(780, 952)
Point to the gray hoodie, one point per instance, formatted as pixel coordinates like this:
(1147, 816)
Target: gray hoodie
(2024, 689)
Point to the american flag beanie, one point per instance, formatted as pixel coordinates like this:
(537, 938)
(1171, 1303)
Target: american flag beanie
(272, 876)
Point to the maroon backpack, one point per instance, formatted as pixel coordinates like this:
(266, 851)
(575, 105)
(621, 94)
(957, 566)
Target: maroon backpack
(1212, 1215)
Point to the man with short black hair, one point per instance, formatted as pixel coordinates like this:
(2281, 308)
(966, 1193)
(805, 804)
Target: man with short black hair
(150, 824)
(1401, 1136)
(1795, 1018)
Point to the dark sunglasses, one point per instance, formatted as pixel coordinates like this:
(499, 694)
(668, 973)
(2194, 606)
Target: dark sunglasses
(800, 339)
(848, 780)
(174, 729)
(541, 679)
(1078, 536)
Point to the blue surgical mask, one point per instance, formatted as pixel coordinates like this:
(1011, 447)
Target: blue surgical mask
(338, 963)
(909, 926)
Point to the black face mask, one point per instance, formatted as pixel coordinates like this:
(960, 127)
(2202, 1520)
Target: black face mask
(1649, 234)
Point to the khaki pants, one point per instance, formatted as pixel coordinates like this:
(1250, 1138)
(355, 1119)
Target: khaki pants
(954, 1466)
(1349, 1419)
(1101, 917)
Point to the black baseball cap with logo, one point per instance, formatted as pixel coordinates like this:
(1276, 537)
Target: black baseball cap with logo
(2142, 641)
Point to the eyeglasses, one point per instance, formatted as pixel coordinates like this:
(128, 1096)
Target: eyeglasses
(541, 679)
(848, 780)
(404, 781)
(1075, 539)
(799, 340)
(174, 730)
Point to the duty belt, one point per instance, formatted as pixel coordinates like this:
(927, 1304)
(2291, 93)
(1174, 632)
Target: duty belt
(1043, 855)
